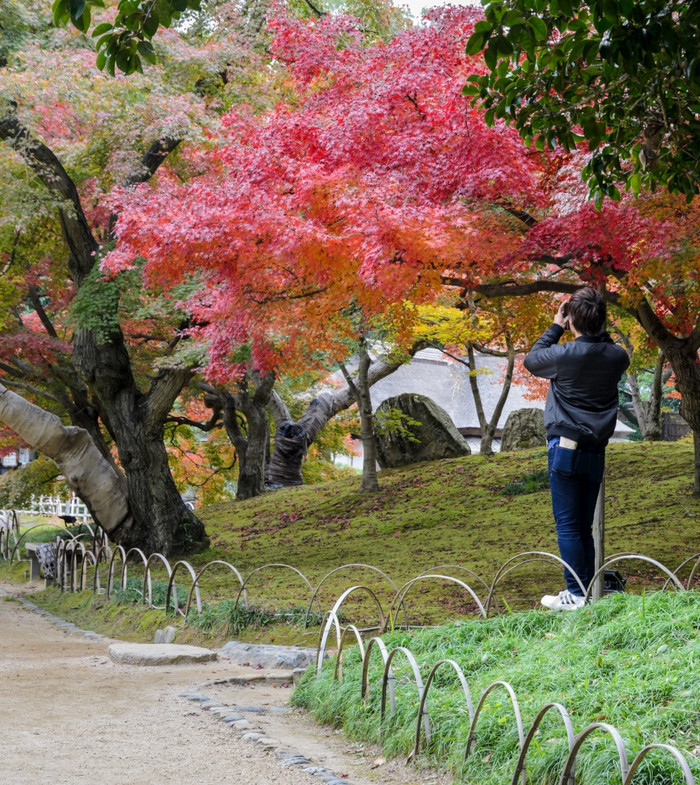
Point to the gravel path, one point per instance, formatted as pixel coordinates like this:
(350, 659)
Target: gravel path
(70, 716)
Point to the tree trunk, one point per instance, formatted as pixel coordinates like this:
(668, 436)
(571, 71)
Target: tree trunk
(488, 427)
(696, 444)
(293, 439)
(87, 472)
(360, 389)
(648, 413)
(252, 447)
(159, 520)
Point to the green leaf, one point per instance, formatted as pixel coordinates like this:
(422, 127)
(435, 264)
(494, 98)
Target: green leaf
(470, 89)
(503, 45)
(83, 23)
(61, 12)
(483, 27)
(145, 49)
(539, 28)
(103, 41)
(101, 59)
(476, 43)
(101, 29)
(77, 7)
(490, 56)
(566, 8)
(150, 24)
(634, 183)
(590, 50)
(123, 60)
(512, 18)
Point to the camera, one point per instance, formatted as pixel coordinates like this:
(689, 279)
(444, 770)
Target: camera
(565, 311)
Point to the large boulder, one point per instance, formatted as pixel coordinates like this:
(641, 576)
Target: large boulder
(400, 442)
(524, 428)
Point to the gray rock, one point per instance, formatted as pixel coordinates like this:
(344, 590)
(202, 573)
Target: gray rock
(524, 428)
(297, 760)
(400, 443)
(252, 736)
(166, 635)
(267, 655)
(241, 724)
(266, 741)
(233, 718)
(158, 654)
(251, 709)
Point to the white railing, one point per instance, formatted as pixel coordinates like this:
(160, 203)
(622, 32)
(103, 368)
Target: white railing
(54, 505)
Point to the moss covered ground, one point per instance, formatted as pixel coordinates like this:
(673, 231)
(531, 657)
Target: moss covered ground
(474, 512)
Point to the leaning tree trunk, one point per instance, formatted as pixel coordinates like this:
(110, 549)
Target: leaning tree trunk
(293, 439)
(87, 472)
(159, 520)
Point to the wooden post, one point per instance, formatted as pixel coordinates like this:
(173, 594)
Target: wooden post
(599, 541)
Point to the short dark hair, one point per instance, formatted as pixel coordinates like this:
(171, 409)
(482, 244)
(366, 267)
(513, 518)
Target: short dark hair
(587, 311)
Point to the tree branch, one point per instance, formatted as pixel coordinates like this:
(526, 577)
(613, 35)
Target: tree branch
(46, 166)
(41, 313)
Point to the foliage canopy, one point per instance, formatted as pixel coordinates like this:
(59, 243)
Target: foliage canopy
(622, 76)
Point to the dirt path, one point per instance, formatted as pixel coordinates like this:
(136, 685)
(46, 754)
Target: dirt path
(70, 716)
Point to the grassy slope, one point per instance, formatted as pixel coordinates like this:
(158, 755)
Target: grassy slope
(447, 512)
(628, 661)
(454, 512)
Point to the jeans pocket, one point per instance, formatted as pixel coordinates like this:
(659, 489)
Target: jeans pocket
(565, 460)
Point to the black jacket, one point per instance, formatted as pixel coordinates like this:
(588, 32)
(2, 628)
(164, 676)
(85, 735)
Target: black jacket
(582, 400)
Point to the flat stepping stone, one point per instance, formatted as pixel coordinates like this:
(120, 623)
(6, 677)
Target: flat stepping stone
(159, 654)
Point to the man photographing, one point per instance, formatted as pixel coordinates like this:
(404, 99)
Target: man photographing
(579, 417)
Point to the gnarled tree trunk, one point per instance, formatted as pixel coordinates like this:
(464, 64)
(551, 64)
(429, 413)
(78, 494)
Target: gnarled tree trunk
(252, 446)
(157, 519)
(87, 472)
(293, 439)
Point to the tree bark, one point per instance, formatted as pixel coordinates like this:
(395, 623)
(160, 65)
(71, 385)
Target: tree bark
(360, 390)
(252, 447)
(159, 519)
(293, 439)
(87, 472)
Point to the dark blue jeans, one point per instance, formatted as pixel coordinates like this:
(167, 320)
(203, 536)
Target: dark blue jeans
(574, 497)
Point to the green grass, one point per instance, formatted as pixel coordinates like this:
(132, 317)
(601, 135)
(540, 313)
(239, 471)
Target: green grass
(629, 661)
(475, 512)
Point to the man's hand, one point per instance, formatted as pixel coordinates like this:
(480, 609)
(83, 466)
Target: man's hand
(560, 319)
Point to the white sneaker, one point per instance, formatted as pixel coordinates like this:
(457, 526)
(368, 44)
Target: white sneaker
(564, 601)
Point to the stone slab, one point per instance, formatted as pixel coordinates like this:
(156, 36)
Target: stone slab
(159, 654)
(268, 655)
